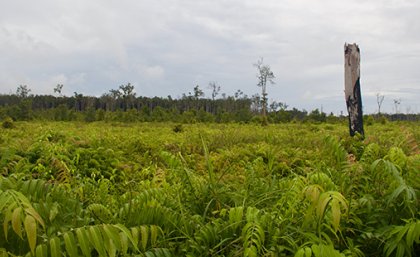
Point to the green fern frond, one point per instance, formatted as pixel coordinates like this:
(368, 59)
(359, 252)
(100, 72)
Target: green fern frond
(8, 182)
(236, 217)
(318, 250)
(207, 237)
(22, 216)
(172, 161)
(34, 189)
(322, 250)
(158, 252)
(253, 237)
(332, 202)
(336, 150)
(151, 212)
(398, 192)
(321, 179)
(371, 153)
(253, 234)
(397, 156)
(105, 240)
(399, 240)
(100, 213)
(304, 252)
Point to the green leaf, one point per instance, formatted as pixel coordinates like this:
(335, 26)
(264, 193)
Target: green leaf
(400, 250)
(70, 244)
(417, 235)
(83, 240)
(253, 237)
(53, 212)
(251, 251)
(394, 195)
(316, 250)
(55, 247)
(389, 248)
(41, 251)
(129, 235)
(96, 238)
(31, 211)
(336, 214)
(312, 192)
(163, 252)
(30, 228)
(300, 253)
(304, 252)
(135, 235)
(3, 253)
(324, 199)
(110, 247)
(154, 232)
(235, 216)
(410, 237)
(144, 236)
(322, 250)
(124, 243)
(7, 219)
(16, 221)
(308, 252)
(252, 214)
(110, 232)
(4, 200)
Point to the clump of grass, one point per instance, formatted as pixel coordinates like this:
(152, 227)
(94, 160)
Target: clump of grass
(8, 123)
(178, 128)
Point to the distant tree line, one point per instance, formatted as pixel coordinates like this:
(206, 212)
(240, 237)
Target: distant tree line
(124, 105)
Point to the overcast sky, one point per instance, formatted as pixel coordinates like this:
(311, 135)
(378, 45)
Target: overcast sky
(166, 47)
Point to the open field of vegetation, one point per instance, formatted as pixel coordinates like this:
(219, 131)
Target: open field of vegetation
(164, 189)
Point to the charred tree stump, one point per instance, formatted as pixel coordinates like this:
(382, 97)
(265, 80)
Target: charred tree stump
(352, 88)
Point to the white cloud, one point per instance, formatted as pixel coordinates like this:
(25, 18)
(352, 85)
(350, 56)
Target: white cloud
(154, 72)
(167, 46)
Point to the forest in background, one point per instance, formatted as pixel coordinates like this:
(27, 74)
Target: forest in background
(124, 105)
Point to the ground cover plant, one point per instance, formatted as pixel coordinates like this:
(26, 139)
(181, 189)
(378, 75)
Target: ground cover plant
(162, 189)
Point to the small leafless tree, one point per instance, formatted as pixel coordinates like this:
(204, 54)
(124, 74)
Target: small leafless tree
(238, 94)
(379, 99)
(397, 103)
(128, 95)
(215, 89)
(58, 89)
(264, 75)
(198, 92)
(22, 91)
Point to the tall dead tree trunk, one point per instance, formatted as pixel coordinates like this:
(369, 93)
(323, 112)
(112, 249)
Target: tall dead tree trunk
(352, 88)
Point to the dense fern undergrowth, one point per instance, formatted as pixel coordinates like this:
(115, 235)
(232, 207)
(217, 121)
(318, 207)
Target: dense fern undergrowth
(158, 189)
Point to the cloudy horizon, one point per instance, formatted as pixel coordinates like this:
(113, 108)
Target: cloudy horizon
(166, 47)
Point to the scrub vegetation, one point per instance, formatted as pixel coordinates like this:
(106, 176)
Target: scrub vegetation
(165, 189)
